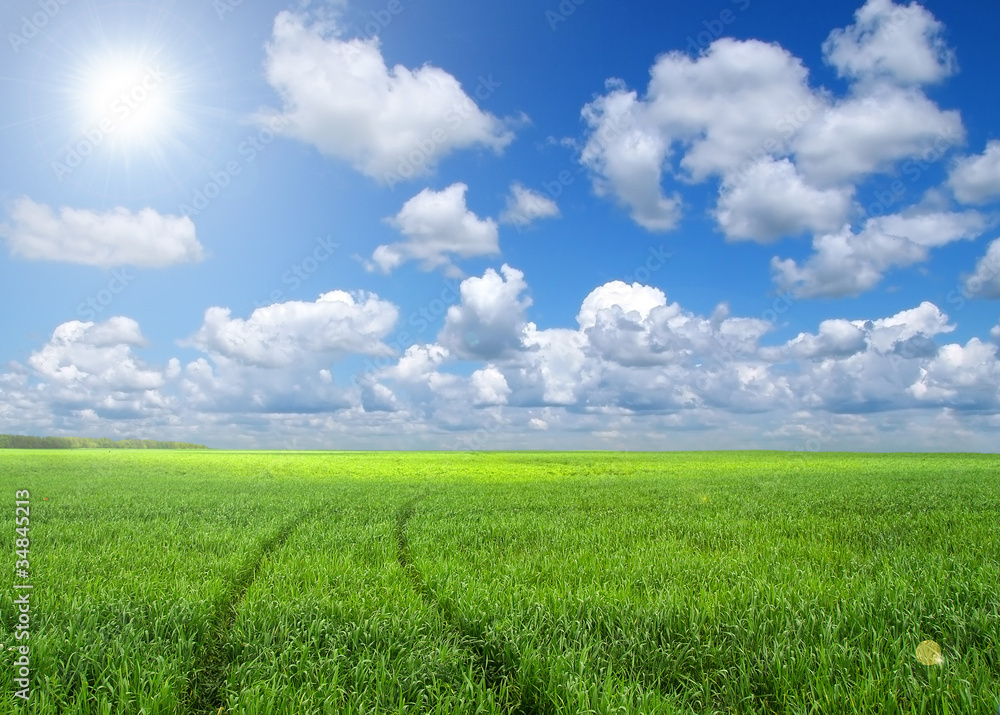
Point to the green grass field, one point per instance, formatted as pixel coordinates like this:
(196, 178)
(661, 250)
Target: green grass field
(270, 582)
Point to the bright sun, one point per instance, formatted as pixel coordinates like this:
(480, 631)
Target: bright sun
(128, 102)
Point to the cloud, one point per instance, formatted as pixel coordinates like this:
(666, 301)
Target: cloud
(833, 375)
(787, 155)
(262, 395)
(635, 300)
(98, 355)
(489, 322)
(634, 352)
(849, 263)
(626, 160)
(886, 335)
(432, 391)
(525, 206)
(719, 108)
(976, 179)
(278, 335)
(554, 368)
(378, 398)
(985, 280)
(417, 364)
(837, 338)
(771, 200)
(437, 226)
(966, 376)
(869, 132)
(388, 123)
(86, 373)
(899, 43)
(273, 367)
(864, 365)
(635, 326)
(490, 386)
(725, 104)
(115, 238)
(637, 368)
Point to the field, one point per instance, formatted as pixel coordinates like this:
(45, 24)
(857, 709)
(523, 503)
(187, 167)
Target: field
(270, 582)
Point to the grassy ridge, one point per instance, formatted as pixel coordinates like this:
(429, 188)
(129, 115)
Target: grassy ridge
(16, 441)
(507, 582)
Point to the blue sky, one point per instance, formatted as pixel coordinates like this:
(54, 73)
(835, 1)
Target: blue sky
(439, 224)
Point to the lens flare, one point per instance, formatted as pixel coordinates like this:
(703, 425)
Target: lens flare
(929, 653)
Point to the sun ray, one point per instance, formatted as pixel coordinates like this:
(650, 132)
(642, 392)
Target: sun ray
(127, 101)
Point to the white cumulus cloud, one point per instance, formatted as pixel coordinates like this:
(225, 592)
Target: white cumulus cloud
(489, 322)
(118, 237)
(771, 200)
(635, 301)
(961, 375)
(836, 338)
(886, 334)
(417, 364)
(849, 263)
(976, 179)
(490, 386)
(718, 109)
(869, 132)
(525, 206)
(787, 156)
(438, 226)
(97, 355)
(985, 280)
(636, 326)
(390, 123)
(278, 335)
(901, 43)
(87, 373)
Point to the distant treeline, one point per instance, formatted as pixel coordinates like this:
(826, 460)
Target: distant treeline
(13, 441)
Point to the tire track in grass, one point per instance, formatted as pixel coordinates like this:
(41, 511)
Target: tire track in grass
(207, 693)
(489, 656)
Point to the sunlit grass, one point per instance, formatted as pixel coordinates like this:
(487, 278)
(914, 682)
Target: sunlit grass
(750, 582)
